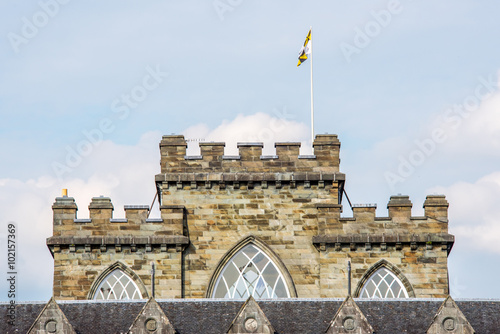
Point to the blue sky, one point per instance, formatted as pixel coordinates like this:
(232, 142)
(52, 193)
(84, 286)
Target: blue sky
(410, 87)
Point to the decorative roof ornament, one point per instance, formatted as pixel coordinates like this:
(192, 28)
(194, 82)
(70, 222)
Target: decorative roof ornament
(251, 319)
(51, 320)
(450, 320)
(349, 320)
(151, 319)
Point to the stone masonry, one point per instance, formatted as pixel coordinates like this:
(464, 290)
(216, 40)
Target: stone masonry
(212, 203)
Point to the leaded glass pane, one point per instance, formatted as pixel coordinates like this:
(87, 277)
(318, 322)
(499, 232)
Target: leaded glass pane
(383, 284)
(250, 273)
(117, 285)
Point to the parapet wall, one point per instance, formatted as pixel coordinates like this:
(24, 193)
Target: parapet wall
(399, 220)
(101, 229)
(83, 249)
(250, 158)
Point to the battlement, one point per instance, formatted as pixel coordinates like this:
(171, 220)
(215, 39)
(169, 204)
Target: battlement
(250, 158)
(328, 215)
(365, 229)
(102, 229)
(399, 220)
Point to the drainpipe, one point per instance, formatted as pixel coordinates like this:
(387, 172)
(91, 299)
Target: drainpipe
(153, 279)
(349, 278)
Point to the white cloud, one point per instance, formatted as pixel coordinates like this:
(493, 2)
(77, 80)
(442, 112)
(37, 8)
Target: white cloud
(474, 212)
(259, 127)
(473, 125)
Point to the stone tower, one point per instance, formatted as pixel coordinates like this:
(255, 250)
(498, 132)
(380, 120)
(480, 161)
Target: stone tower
(279, 214)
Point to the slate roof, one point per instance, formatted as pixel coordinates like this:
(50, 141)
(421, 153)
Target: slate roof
(287, 316)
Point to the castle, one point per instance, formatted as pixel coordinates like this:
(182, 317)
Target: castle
(283, 211)
(256, 227)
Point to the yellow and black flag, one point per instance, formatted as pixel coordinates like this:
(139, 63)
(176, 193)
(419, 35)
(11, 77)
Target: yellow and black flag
(306, 49)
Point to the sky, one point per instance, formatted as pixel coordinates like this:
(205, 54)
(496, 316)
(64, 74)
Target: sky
(410, 87)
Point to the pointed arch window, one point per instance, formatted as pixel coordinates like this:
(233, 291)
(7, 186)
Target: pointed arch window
(383, 284)
(117, 285)
(250, 272)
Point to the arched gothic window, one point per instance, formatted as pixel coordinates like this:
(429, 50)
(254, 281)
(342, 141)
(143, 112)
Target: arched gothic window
(383, 284)
(250, 272)
(117, 285)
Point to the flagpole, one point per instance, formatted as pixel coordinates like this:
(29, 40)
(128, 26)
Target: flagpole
(312, 101)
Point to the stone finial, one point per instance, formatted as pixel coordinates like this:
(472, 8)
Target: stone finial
(170, 144)
(64, 203)
(349, 320)
(250, 151)
(101, 208)
(212, 151)
(287, 150)
(436, 206)
(51, 320)
(136, 213)
(364, 213)
(327, 150)
(172, 150)
(450, 320)
(151, 319)
(399, 206)
(64, 212)
(251, 319)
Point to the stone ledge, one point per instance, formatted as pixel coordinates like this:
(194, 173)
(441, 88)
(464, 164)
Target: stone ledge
(256, 144)
(328, 205)
(384, 238)
(193, 157)
(248, 176)
(268, 157)
(231, 157)
(125, 240)
(136, 207)
(82, 220)
(171, 206)
(118, 220)
(154, 220)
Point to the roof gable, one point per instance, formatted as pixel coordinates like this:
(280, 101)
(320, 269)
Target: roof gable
(251, 319)
(449, 319)
(51, 320)
(349, 319)
(151, 319)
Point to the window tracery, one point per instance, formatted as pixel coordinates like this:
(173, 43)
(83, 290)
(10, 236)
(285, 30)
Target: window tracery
(383, 284)
(251, 272)
(117, 285)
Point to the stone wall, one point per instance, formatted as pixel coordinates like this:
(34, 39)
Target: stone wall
(85, 248)
(292, 203)
(212, 202)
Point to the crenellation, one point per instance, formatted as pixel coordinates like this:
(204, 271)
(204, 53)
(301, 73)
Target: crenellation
(327, 151)
(399, 207)
(250, 158)
(101, 210)
(64, 209)
(400, 219)
(137, 214)
(211, 151)
(436, 207)
(250, 151)
(364, 213)
(288, 150)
